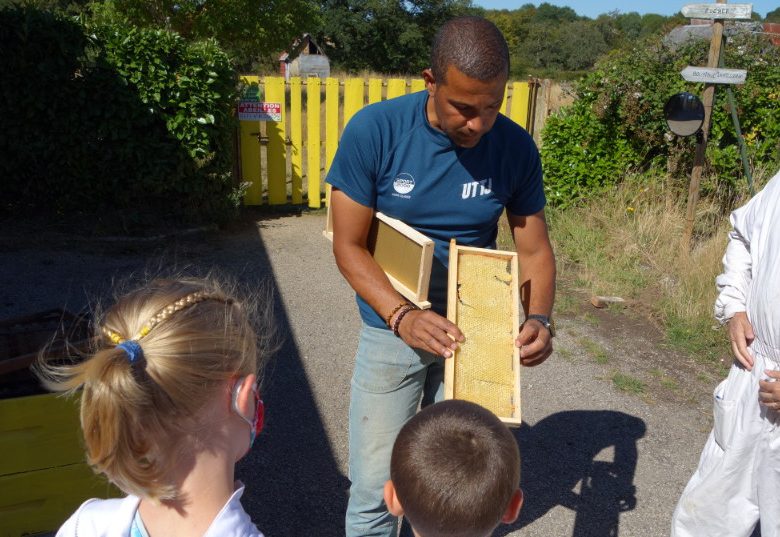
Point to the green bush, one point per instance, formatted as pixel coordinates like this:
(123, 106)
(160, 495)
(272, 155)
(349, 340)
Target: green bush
(112, 118)
(616, 125)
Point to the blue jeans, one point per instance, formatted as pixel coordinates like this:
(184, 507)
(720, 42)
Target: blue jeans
(387, 385)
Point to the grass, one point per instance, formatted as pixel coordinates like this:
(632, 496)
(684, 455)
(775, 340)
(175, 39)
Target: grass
(669, 384)
(564, 353)
(595, 349)
(628, 242)
(628, 384)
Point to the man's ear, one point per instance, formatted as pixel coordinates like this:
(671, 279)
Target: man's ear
(513, 509)
(430, 81)
(245, 400)
(391, 499)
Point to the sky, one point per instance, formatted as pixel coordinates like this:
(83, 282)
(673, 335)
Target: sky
(594, 8)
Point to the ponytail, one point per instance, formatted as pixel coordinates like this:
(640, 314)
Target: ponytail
(137, 393)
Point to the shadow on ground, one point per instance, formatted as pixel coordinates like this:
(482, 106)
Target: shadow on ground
(564, 462)
(294, 485)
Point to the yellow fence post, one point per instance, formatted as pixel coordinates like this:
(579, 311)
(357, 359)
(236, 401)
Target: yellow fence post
(277, 149)
(249, 139)
(519, 110)
(296, 139)
(374, 90)
(313, 141)
(396, 87)
(353, 98)
(331, 126)
(418, 84)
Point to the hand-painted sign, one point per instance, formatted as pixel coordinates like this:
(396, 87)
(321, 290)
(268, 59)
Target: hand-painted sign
(718, 11)
(714, 76)
(249, 110)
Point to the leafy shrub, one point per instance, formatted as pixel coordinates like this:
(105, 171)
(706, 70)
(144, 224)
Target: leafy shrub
(112, 118)
(617, 125)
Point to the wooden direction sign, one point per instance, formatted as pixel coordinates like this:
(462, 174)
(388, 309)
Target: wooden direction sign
(718, 11)
(713, 75)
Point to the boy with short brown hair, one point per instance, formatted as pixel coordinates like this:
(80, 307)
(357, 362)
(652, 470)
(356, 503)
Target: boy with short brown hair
(454, 472)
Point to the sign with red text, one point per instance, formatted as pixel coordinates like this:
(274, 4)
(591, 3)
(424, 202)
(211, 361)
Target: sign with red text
(249, 110)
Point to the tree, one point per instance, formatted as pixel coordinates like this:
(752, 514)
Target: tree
(548, 13)
(773, 16)
(246, 29)
(390, 36)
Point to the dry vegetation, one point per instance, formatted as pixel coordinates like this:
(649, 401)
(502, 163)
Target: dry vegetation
(628, 242)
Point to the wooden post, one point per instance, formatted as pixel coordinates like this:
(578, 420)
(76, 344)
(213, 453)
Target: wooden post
(701, 146)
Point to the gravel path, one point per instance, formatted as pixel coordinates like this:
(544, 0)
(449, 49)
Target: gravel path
(597, 461)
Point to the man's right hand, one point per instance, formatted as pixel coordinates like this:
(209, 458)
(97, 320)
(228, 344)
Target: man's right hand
(429, 331)
(741, 335)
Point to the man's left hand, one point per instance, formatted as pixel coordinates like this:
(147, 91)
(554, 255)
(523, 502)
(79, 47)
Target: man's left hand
(535, 342)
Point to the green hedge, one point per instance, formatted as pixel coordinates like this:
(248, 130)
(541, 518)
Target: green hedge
(114, 119)
(616, 125)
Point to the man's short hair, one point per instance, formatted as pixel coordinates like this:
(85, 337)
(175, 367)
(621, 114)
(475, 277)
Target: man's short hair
(455, 467)
(474, 46)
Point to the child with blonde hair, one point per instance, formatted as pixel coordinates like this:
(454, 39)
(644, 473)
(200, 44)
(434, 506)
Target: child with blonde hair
(169, 404)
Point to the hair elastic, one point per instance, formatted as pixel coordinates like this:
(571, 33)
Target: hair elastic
(133, 350)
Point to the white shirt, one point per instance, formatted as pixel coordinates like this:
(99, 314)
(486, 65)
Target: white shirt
(113, 518)
(751, 268)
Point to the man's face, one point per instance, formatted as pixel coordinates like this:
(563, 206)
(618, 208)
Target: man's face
(464, 108)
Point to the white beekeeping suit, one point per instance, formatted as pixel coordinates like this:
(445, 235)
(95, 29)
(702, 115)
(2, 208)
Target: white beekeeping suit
(737, 482)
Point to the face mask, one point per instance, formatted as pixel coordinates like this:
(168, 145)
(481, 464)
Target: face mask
(256, 424)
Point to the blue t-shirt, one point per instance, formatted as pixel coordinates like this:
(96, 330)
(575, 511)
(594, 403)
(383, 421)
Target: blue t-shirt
(391, 159)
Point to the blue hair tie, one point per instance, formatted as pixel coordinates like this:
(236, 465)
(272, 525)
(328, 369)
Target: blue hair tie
(133, 350)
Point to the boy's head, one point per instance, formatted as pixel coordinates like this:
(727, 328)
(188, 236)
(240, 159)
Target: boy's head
(454, 472)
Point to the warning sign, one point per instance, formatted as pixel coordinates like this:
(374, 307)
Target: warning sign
(259, 111)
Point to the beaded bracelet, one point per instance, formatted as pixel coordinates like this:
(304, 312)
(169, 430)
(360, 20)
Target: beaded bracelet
(395, 310)
(404, 310)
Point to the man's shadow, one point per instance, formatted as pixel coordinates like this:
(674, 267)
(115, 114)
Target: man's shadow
(582, 460)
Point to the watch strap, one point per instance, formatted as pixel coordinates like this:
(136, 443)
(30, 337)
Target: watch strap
(545, 320)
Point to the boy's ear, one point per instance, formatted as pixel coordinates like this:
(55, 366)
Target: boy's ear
(391, 499)
(513, 509)
(246, 398)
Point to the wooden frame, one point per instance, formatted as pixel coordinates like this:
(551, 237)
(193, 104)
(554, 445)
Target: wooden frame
(483, 299)
(405, 254)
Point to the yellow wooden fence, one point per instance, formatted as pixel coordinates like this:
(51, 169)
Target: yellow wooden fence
(272, 153)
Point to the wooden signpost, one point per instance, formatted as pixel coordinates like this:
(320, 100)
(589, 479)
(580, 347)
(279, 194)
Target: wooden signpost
(719, 11)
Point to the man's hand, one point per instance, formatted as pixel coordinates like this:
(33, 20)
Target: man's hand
(741, 335)
(769, 390)
(535, 342)
(426, 330)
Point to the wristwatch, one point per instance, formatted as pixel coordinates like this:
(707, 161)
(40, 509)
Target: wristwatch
(548, 323)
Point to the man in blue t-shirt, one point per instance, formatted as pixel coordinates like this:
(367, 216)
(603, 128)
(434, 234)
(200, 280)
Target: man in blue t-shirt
(445, 162)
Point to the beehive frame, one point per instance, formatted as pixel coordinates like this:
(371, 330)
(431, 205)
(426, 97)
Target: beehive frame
(405, 254)
(483, 300)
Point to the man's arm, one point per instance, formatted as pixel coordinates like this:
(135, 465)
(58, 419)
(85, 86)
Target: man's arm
(351, 224)
(537, 276)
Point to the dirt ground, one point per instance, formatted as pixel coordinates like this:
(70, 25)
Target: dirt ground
(613, 422)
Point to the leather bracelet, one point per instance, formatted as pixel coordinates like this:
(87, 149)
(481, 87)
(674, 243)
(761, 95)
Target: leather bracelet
(404, 310)
(395, 310)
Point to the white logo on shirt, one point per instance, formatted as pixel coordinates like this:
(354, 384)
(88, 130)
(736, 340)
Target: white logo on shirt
(474, 188)
(403, 183)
